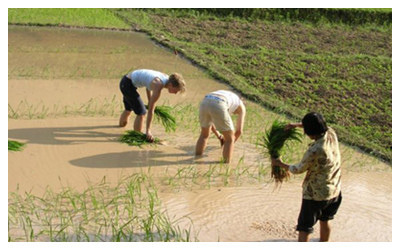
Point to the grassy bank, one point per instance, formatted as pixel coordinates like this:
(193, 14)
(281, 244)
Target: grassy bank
(374, 16)
(96, 18)
(293, 65)
(336, 61)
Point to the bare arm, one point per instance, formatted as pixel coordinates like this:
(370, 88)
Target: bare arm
(241, 112)
(215, 131)
(293, 125)
(218, 135)
(148, 92)
(309, 160)
(279, 163)
(154, 95)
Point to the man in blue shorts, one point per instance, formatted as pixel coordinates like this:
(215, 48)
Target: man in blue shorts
(154, 82)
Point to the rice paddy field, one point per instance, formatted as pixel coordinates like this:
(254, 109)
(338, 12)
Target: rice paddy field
(74, 180)
(337, 61)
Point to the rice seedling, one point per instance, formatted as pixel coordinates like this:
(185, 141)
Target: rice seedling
(135, 138)
(187, 117)
(93, 107)
(29, 111)
(261, 171)
(163, 115)
(15, 145)
(128, 211)
(273, 141)
(239, 172)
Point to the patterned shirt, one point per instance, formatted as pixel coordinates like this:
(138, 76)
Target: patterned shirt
(322, 163)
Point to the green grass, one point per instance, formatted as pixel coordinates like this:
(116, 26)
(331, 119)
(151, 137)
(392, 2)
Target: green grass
(15, 145)
(127, 211)
(164, 116)
(286, 62)
(93, 107)
(130, 210)
(135, 138)
(82, 17)
(343, 70)
(353, 16)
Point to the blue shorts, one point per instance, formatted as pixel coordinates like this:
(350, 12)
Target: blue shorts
(132, 100)
(312, 211)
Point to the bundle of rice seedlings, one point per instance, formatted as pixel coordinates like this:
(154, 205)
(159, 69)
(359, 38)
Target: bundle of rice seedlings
(163, 114)
(135, 138)
(274, 140)
(15, 146)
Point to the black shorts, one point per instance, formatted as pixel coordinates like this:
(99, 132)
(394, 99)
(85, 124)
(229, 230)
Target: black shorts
(312, 211)
(132, 100)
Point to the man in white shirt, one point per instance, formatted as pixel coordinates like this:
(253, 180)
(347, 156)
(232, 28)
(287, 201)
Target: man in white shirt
(154, 82)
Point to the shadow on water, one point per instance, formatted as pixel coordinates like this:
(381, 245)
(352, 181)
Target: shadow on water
(128, 159)
(144, 157)
(63, 135)
(140, 158)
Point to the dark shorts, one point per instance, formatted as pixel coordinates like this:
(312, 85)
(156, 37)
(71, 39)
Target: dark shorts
(312, 211)
(132, 100)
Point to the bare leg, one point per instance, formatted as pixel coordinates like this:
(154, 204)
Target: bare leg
(304, 236)
(138, 124)
(124, 118)
(325, 231)
(202, 141)
(227, 149)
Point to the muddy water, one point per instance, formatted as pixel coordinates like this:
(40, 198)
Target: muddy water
(58, 68)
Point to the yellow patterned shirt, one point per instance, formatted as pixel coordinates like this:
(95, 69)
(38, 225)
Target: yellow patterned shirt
(322, 163)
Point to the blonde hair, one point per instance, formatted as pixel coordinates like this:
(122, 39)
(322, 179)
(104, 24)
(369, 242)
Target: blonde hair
(178, 82)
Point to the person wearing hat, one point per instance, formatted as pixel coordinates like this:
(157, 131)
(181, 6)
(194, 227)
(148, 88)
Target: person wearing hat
(322, 185)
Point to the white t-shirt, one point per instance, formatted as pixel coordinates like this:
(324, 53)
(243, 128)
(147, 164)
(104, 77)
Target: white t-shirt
(232, 99)
(143, 77)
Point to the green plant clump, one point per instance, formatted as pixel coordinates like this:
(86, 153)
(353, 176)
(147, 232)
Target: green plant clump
(163, 114)
(15, 145)
(135, 138)
(274, 140)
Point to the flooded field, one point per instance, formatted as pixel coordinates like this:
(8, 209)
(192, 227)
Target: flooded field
(64, 102)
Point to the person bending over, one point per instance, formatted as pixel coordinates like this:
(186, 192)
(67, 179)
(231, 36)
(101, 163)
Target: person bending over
(215, 115)
(154, 82)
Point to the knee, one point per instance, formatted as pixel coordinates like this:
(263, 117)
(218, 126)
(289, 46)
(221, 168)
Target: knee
(123, 120)
(205, 133)
(204, 136)
(229, 137)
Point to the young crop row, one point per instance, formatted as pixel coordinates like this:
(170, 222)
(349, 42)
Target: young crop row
(338, 61)
(128, 211)
(343, 71)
